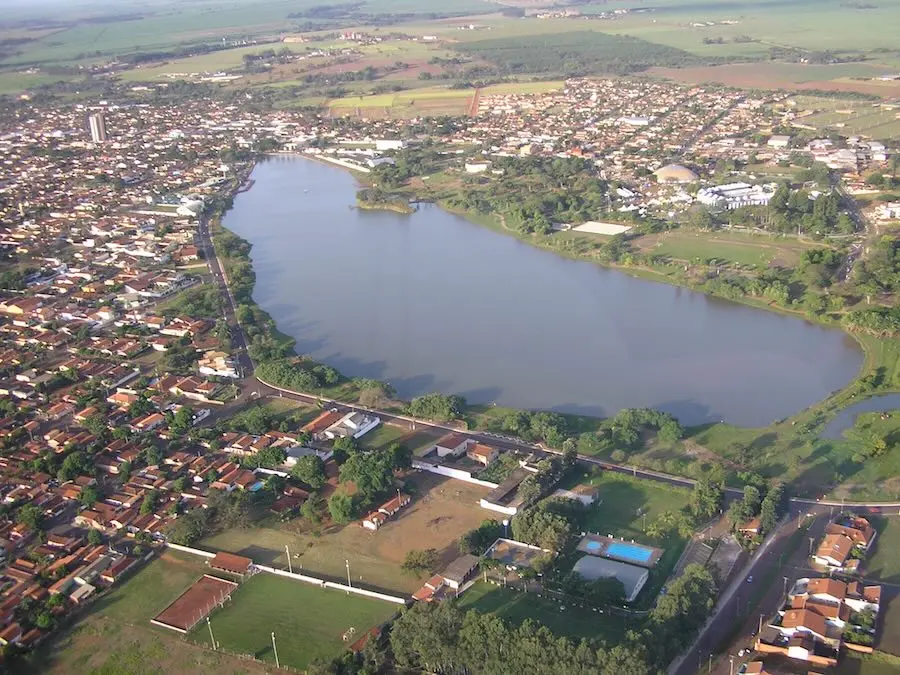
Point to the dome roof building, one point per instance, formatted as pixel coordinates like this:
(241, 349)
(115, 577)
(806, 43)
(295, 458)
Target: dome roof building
(675, 173)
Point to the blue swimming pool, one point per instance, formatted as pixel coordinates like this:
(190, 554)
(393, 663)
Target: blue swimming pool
(593, 546)
(628, 552)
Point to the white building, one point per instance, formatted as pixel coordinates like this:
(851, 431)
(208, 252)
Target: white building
(355, 424)
(736, 195)
(389, 144)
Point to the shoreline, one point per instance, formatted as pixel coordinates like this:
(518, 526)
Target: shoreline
(818, 413)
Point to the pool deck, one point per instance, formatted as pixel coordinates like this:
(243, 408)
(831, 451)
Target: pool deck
(610, 547)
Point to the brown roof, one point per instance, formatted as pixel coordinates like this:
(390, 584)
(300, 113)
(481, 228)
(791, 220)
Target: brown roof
(804, 618)
(827, 586)
(861, 533)
(229, 562)
(452, 441)
(835, 546)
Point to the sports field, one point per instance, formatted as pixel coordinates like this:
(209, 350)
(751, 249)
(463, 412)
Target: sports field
(729, 247)
(516, 606)
(875, 121)
(309, 622)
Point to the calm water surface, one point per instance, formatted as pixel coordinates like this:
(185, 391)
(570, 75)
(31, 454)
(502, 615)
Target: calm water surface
(846, 418)
(432, 302)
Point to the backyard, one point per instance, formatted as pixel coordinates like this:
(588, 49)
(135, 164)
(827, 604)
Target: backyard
(308, 622)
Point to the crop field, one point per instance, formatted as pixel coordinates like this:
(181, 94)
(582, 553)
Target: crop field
(311, 622)
(729, 247)
(793, 76)
(442, 510)
(515, 606)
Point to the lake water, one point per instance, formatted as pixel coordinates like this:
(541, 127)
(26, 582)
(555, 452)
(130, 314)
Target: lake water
(846, 418)
(432, 302)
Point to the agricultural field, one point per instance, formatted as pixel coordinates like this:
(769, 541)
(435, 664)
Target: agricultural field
(515, 606)
(442, 510)
(427, 101)
(309, 622)
(115, 636)
(728, 247)
(840, 77)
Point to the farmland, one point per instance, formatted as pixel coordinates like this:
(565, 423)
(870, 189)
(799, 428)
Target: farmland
(442, 510)
(313, 623)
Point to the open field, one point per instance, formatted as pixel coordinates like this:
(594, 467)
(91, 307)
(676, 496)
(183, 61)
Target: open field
(516, 606)
(793, 76)
(115, 636)
(875, 121)
(308, 622)
(731, 247)
(442, 510)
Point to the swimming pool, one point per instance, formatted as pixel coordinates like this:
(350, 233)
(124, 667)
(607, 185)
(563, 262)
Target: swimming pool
(628, 552)
(593, 546)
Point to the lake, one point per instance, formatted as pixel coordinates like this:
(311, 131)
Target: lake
(432, 302)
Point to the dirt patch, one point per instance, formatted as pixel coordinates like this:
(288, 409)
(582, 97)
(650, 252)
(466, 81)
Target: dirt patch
(445, 510)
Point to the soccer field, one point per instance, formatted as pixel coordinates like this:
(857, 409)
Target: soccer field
(309, 622)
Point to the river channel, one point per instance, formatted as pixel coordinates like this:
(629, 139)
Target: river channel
(432, 302)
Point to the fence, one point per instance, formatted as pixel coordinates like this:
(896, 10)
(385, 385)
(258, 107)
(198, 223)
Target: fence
(457, 474)
(397, 600)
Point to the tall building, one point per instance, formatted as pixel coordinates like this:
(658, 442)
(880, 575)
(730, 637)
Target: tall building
(97, 124)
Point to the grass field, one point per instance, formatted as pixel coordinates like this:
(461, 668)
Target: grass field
(516, 606)
(884, 563)
(875, 121)
(730, 247)
(115, 636)
(308, 622)
(442, 510)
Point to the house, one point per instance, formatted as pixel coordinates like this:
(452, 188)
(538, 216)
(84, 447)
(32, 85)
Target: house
(483, 454)
(845, 542)
(453, 445)
(318, 425)
(384, 512)
(834, 552)
(778, 141)
(453, 578)
(355, 424)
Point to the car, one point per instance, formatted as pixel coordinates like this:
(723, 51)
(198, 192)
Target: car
(742, 652)
(750, 579)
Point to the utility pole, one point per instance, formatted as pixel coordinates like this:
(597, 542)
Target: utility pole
(287, 552)
(349, 583)
(211, 636)
(759, 630)
(731, 664)
(275, 649)
(811, 540)
(784, 591)
(709, 665)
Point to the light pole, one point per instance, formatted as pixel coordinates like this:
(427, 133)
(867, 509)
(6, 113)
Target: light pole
(505, 529)
(349, 583)
(784, 591)
(275, 649)
(731, 664)
(759, 630)
(211, 636)
(287, 552)
(811, 540)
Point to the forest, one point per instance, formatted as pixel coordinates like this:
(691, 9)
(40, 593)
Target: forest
(577, 53)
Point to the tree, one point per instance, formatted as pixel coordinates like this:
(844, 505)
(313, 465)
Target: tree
(706, 499)
(148, 506)
(88, 496)
(440, 407)
(94, 537)
(477, 541)
(313, 508)
(419, 561)
(31, 516)
(311, 470)
(341, 507)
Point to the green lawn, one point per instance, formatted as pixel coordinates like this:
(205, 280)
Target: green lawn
(884, 564)
(740, 249)
(627, 502)
(516, 606)
(309, 622)
(149, 591)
